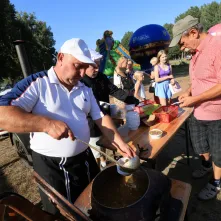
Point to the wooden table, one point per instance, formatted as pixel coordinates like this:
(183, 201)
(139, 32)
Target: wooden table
(154, 147)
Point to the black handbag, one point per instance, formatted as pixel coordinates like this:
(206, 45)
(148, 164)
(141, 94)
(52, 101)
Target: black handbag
(127, 83)
(151, 87)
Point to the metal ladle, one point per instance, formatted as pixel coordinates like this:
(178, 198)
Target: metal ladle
(130, 166)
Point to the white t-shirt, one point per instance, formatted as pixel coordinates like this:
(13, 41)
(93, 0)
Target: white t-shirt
(117, 80)
(43, 94)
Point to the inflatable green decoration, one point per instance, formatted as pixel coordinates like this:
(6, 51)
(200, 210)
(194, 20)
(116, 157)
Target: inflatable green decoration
(111, 50)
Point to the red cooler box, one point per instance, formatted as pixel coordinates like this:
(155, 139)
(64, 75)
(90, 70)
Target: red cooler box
(166, 114)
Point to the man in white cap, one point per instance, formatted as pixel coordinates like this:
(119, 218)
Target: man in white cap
(205, 96)
(53, 106)
(102, 89)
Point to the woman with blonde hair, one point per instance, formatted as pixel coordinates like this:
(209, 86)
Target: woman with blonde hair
(163, 77)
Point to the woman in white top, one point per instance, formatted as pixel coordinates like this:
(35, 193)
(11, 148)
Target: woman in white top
(139, 92)
(120, 71)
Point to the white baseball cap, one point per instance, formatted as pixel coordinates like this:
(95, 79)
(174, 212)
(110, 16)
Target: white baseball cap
(77, 48)
(95, 55)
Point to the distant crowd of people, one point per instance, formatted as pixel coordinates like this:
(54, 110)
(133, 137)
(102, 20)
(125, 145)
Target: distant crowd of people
(126, 78)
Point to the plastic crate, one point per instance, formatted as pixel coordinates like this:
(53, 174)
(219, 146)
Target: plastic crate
(166, 114)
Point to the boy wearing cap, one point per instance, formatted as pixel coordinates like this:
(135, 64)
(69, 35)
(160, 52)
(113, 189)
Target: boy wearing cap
(205, 96)
(102, 89)
(53, 106)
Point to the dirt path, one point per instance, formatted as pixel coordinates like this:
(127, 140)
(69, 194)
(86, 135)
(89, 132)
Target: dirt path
(14, 176)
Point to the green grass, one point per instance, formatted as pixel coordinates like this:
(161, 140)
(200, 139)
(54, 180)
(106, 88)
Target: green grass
(180, 70)
(179, 62)
(180, 67)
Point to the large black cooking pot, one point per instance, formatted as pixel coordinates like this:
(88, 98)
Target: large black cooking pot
(114, 198)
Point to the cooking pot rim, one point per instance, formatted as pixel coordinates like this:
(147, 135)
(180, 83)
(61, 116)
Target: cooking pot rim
(92, 195)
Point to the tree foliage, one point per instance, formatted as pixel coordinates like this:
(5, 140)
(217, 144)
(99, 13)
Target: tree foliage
(174, 52)
(126, 39)
(8, 58)
(193, 11)
(23, 26)
(39, 40)
(169, 28)
(208, 15)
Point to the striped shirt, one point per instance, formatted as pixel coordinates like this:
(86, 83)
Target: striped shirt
(43, 94)
(205, 73)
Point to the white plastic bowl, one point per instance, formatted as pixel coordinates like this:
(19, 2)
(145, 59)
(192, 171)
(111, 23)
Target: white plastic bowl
(155, 136)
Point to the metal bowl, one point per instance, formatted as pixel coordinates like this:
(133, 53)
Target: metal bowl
(128, 165)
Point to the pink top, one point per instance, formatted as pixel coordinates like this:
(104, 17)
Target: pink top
(205, 73)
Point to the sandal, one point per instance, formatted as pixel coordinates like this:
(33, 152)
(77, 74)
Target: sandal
(208, 192)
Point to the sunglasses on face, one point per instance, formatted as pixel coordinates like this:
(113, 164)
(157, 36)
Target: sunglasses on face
(95, 66)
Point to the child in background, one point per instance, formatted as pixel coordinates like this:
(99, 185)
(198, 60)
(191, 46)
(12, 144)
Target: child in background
(154, 62)
(139, 92)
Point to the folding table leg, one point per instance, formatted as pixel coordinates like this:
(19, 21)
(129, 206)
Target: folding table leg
(187, 142)
(2, 212)
(186, 217)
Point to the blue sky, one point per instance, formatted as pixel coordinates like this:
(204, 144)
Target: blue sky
(88, 19)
